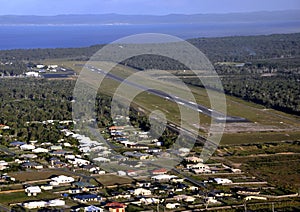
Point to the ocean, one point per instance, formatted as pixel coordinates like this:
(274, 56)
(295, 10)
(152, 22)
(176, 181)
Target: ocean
(54, 36)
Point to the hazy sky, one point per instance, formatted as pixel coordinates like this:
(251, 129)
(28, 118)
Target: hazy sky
(156, 7)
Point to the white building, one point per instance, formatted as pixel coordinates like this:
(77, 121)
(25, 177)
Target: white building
(32, 74)
(33, 190)
(172, 205)
(35, 204)
(79, 162)
(27, 147)
(47, 187)
(142, 191)
(222, 181)
(92, 208)
(40, 150)
(61, 179)
(163, 177)
(56, 202)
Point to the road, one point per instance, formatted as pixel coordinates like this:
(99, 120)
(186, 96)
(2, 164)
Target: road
(218, 116)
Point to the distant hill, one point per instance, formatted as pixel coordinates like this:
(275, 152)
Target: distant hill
(263, 16)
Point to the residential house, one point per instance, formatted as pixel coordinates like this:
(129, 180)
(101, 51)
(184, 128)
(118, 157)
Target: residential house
(84, 198)
(142, 191)
(56, 202)
(222, 181)
(115, 207)
(61, 180)
(172, 205)
(163, 177)
(17, 143)
(33, 190)
(93, 208)
(35, 204)
(32, 165)
(40, 150)
(159, 171)
(3, 165)
(27, 147)
(194, 159)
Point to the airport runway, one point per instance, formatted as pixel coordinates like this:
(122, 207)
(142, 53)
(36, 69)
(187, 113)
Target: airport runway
(217, 116)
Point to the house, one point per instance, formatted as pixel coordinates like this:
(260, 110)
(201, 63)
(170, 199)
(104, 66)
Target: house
(93, 208)
(193, 159)
(159, 171)
(142, 191)
(101, 160)
(80, 162)
(27, 147)
(47, 187)
(172, 205)
(185, 198)
(56, 202)
(40, 150)
(75, 191)
(32, 165)
(28, 156)
(61, 179)
(222, 181)
(17, 143)
(116, 128)
(43, 204)
(4, 127)
(34, 204)
(3, 165)
(149, 201)
(132, 173)
(211, 200)
(83, 198)
(58, 153)
(32, 74)
(115, 207)
(121, 173)
(143, 183)
(33, 190)
(163, 177)
(54, 148)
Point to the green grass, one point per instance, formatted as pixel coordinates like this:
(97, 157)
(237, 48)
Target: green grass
(17, 197)
(259, 137)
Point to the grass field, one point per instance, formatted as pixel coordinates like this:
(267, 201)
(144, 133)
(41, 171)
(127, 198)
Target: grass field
(18, 197)
(109, 180)
(35, 175)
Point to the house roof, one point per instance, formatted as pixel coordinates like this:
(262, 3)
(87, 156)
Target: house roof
(86, 196)
(83, 184)
(17, 143)
(115, 205)
(162, 170)
(92, 208)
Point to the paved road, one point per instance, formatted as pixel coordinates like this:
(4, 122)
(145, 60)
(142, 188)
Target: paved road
(192, 105)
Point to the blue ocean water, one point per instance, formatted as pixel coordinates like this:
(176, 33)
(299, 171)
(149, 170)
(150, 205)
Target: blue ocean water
(51, 36)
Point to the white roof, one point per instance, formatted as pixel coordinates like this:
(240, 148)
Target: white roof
(101, 159)
(163, 177)
(33, 189)
(39, 150)
(27, 146)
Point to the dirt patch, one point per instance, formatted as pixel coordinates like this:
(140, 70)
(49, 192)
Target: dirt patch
(35, 175)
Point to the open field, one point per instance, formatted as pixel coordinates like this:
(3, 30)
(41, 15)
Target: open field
(264, 124)
(17, 197)
(113, 180)
(35, 175)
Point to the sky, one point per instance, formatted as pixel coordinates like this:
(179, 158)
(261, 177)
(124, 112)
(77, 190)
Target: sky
(152, 7)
